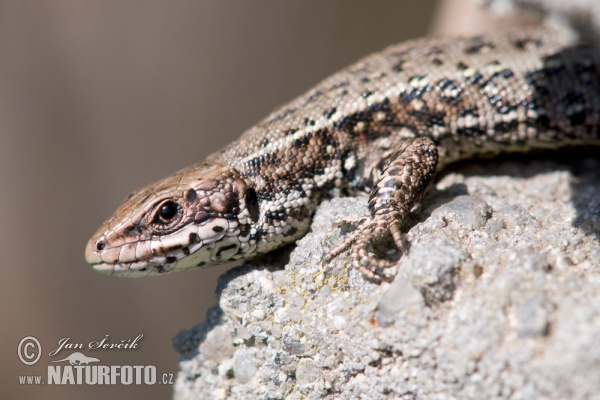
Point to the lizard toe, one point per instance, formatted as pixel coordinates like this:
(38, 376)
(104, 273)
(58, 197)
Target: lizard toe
(367, 234)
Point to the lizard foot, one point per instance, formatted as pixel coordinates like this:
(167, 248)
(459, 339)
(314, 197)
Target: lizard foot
(368, 232)
(408, 174)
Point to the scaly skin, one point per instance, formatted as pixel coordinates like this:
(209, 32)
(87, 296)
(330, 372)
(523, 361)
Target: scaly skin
(385, 124)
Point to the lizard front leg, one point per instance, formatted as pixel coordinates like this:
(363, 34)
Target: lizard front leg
(403, 182)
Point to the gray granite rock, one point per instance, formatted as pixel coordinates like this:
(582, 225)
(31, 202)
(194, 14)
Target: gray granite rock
(496, 295)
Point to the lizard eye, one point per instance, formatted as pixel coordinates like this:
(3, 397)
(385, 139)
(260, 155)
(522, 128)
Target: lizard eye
(167, 212)
(165, 216)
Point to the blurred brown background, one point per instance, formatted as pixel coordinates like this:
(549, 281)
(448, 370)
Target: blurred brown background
(100, 98)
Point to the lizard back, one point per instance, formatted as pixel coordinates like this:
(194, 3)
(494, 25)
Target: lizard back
(472, 96)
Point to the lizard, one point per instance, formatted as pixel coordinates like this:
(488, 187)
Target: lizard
(384, 125)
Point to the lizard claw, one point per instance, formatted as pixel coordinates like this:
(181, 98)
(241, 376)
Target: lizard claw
(368, 232)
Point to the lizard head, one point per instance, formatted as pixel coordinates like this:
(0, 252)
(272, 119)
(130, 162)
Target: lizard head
(201, 215)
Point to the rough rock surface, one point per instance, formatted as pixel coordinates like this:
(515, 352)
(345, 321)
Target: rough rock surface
(497, 295)
(580, 18)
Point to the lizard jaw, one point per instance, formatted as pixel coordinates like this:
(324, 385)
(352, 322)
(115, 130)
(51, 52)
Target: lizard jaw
(192, 247)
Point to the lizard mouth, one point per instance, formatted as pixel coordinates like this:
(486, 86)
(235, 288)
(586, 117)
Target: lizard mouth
(174, 260)
(141, 268)
(134, 270)
(192, 247)
(159, 264)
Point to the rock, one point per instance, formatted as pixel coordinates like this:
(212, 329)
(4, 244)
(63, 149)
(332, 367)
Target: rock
(433, 267)
(307, 372)
(218, 344)
(578, 19)
(244, 365)
(468, 211)
(400, 296)
(496, 295)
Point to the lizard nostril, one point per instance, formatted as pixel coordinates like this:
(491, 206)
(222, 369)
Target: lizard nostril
(100, 244)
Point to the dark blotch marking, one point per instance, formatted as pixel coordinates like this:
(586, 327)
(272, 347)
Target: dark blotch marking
(158, 251)
(218, 229)
(287, 112)
(160, 269)
(264, 142)
(301, 142)
(476, 79)
(556, 68)
(174, 247)
(330, 112)
(543, 121)
(477, 131)
(340, 85)
(434, 50)
(186, 251)
(477, 45)
(474, 111)
(584, 68)
(171, 259)
(437, 62)
(252, 204)
(398, 66)
(202, 217)
(575, 98)
(435, 119)
(314, 96)
(190, 196)
(194, 238)
(520, 44)
(391, 184)
(201, 263)
(462, 66)
(134, 230)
